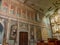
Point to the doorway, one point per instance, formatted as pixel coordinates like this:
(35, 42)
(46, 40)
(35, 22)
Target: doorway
(23, 38)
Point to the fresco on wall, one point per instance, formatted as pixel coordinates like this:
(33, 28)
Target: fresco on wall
(23, 26)
(19, 12)
(32, 32)
(38, 33)
(35, 16)
(13, 32)
(23, 13)
(5, 6)
(12, 9)
(28, 14)
(32, 15)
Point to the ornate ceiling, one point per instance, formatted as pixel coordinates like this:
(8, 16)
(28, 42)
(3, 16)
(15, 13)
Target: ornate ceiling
(42, 5)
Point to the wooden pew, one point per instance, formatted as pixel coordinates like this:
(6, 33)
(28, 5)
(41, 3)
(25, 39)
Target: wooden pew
(40, 43)
(58, 42)
(52, 41)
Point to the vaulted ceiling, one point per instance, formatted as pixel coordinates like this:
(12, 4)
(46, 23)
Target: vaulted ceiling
(42, 5)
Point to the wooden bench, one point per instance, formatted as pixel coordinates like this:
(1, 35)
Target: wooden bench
(52, 41)
(40, 43)
(58, 42)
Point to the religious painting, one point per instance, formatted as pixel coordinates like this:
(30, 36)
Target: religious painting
(32, 32)
(12, 9)
(35, 16)
(23, 26)
(24, 12)
(38, 33)
(5, 6)
(13, 30)
(32, 15)
(19, 12)
(28, 15)
(38, 17)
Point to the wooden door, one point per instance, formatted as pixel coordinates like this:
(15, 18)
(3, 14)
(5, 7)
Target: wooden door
(23, 38)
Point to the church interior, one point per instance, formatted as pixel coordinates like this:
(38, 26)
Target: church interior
(29, 22)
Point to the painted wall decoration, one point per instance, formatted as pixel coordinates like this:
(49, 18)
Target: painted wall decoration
(38, 17)
(5, 32)
(31, 32)
(23, 13)
(32, 15)
(28, 14)
(23, 26)
(13, 30)
(19, 12)
(35, 16)
(12, 9)
(55, 24)
(5, 6)
(38, 33)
